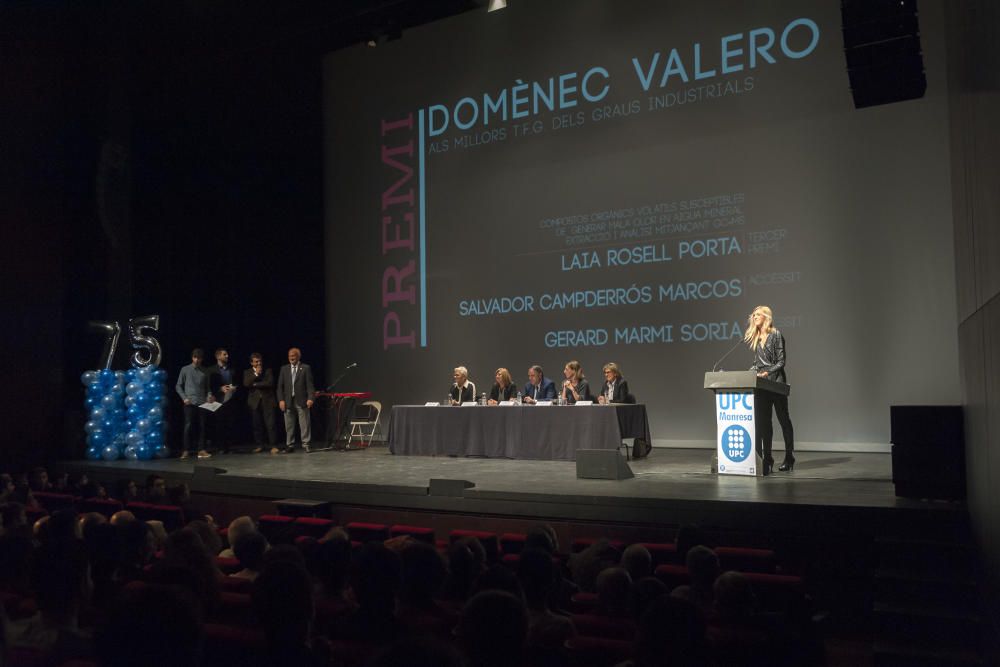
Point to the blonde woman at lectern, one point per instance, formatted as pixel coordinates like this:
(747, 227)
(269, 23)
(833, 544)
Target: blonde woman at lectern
(768, 346)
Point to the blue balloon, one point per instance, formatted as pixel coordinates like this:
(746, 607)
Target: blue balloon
(144, 374)
(133, 388)
(130, 374)
(110, 453)
(107, 377)
(95, 388)
(160, 375)
(130, 401)
(108, 424)
(98, 413)
(161, 452)
(130, 453)
(90, 402)
(117, 390)
(145, 400)
(88, 377)
(143, 426)
(108, 402)
(155, 414)
(119, 439)
(97, 439)
(133, 411)
(144, 452)
(92, 426)
(134, 438)
(120, 377)
(93, 453)
(155, 388)
(154, 437)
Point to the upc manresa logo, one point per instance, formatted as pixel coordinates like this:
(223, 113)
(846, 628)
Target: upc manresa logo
(736, 444)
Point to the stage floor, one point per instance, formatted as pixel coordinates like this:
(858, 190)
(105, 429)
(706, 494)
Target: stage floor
(673, 485)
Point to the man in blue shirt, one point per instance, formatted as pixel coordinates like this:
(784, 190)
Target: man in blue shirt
(222, 383)
(192, 387)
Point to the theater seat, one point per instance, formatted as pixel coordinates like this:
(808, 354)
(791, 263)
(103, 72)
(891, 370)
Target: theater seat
(363, 532)
(139, 509)
(228, 565)
(583, 603)
(416, 532)
(512, 543)
(597, 651)
(662, 552)
(744, 559)
(672, 575)
(606, 627)
(55, 501)
(581, 543)
(307, 526)
(276, 528)
(490, 542)
(172, 516)
(105, 506)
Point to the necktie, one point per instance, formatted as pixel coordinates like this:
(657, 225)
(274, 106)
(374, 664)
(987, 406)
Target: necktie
(295, 369)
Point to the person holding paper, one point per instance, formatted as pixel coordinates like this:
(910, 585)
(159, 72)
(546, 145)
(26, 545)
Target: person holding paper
(259, 382)
(615, 387)
(575, 386)
(503, 389)
(192, 387)
(768, 346)
(295, 399)
(463, 391)
(222, 383)
(539, 387)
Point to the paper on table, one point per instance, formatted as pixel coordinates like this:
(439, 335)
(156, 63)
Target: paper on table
(211, 407)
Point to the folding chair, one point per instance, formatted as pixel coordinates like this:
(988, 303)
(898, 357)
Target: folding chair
(365, 423)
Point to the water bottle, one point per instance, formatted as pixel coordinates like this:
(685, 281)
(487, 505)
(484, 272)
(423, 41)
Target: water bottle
(519, 398)
(482, 399)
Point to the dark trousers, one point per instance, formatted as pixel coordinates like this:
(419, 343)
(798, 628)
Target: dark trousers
(223, 425)
(192, 415)
(263, 418)
(763, 402)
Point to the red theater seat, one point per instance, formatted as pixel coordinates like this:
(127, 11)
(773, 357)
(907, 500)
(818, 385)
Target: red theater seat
(583, 603)
(54, 501)
(228, 565)
(307, 526)
(581, 543)
(606, 627)
(744, 559)
(363, 532)
(172, 516)
(139, 509)
(416, 532)
(105, 506)
(672, 575)
(490, 542)
(276, 528)
(512, 543)
(597, 652)
(237, 585)
(662, 552)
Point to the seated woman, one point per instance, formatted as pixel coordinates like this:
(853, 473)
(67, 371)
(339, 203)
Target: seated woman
(575, 387)
(615, 387)
(503, 389)
(463, 391)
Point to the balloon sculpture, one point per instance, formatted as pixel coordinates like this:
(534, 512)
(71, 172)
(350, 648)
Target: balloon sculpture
(126, 408)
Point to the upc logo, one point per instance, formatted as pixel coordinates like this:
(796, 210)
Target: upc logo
(736, 443)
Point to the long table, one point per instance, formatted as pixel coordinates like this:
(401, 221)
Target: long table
(513, 432)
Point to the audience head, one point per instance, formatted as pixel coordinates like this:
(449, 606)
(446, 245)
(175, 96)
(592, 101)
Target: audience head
(63, 526)
(703, 566)
(156, 488)
(126, 490)
(283, 603)
(208, 534)
(614, 586)
(541, 538)
(121, 517)
(153, 626)
(250, 550)
(241, 525)
(466, 561)
(734, 598)
(60, 577)
(644, 592)
(590, 562)
(537, 576)
(38, 479)
(493, 630)
(690, 535)
(179, 494)
(376, 577)
(334, 556)
(637, 561)
(500, 578)
(671, 633)
(423, 572)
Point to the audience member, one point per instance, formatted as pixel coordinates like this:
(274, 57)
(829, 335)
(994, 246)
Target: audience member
(637, 561)
(613, 586)
(375, 579)
(422, 576)
(586, 565)
(703, 566)
(156, 490)
(493, 630)
(283, 603)
(547, 630)
(250, 550)
(38, 479)
(239, 526)
(209, 534)
(670, 634)
(152, 626)
(644, 592)
(466, 561)
(690, 535)
(126, 491)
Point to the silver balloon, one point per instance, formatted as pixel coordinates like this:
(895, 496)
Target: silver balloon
(112, 331)
(147, 348)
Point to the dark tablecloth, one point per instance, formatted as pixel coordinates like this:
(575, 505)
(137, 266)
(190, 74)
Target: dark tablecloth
(514, 432)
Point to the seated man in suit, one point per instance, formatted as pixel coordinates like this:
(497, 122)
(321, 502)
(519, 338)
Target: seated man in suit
(463, 391)
(615, 387)
(539, 388)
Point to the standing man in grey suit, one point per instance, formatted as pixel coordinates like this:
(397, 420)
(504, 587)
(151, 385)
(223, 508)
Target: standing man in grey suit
(295, 398)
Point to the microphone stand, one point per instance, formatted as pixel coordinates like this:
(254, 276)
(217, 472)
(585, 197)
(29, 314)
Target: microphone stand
(716, 366)
(331, 441)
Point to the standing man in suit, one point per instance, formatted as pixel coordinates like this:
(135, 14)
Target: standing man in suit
(539, 387)
(222, 380)
(295, 398)
(259, 382)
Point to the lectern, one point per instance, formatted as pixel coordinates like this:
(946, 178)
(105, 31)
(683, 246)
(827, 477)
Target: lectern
(734, 416)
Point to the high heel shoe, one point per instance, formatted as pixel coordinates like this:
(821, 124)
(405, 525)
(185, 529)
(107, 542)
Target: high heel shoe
(787, 465)
(767, 467)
